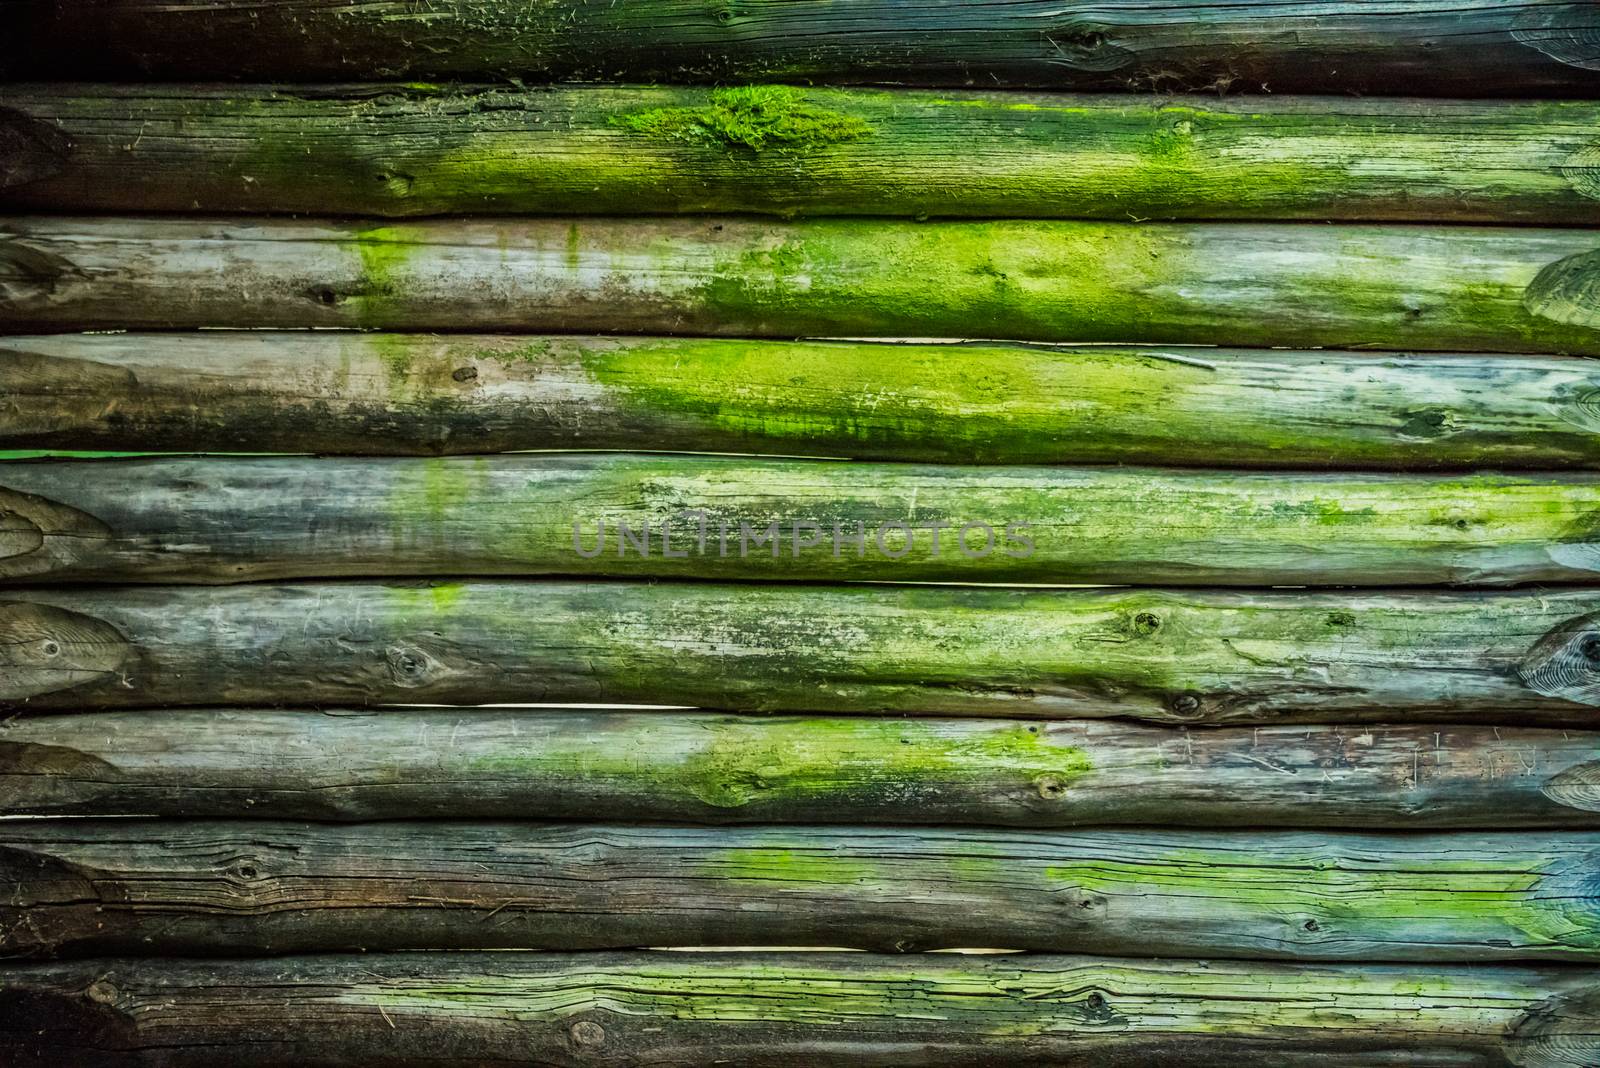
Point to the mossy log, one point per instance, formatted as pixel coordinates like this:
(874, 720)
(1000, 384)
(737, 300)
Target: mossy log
(403, 150)
(714, 768)
(254, 391)
(1339, 46)
(1200, 656)
(245, 888)
(431, 1010)
(1439, 288)
(216, 520)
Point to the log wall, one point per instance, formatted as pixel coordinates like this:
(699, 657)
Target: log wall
(910, 478)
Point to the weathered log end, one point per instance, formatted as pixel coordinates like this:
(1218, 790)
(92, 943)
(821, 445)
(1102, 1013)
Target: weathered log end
(38, 535)
(1565, 663)
(1568, 33)
(29, 273)
(1576, 788)
(1567, 291)
(29, 149)
(44, 649)
(65, 1024)
(1582, 169)
(1561, 1032)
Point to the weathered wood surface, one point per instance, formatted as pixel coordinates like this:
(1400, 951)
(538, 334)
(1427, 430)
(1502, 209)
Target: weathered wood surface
(1442, 288)
(402, 150)
(704, 767)
(431, 1010)
(243, 888)
(1200, 656)
(1410, 46)
(619, 515)
(383, 393)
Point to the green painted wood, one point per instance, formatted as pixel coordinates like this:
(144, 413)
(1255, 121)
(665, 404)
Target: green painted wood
(403, 150)
(1200, 656)
(572, 763)
(247, 888)
(262, 391)
(426, 1010)
(1514, 47)
(619, 515)
(1446, 288)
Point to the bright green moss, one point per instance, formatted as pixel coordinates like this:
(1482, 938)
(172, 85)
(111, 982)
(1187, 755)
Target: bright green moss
(756, 117)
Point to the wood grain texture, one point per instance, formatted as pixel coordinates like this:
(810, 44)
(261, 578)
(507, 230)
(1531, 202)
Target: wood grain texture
(1200, 656)
(1441, 288)
(263, 391)
(246, 888)
(656, 766)
(1515, 47)
(431, 1010)
(408, 149)
(608, 515)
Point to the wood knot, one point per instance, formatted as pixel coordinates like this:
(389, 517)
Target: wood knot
(44, 649)
(410, 665)
(101, 992)
(587, 1033)
(1565, 663)
(1083, 44)
(1185, 706)
(1050, 787)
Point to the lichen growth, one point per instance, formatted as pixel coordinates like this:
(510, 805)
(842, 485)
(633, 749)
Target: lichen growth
(756, 117)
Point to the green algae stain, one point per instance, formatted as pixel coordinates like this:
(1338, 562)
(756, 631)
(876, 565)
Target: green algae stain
(383, 251)
(989, 403)
(431, 498)
(755, 117)
(788, 865)
(813, 762)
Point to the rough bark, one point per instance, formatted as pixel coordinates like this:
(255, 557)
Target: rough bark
(234, 519)
(1441, 288)
(405, 150)
(244, 888)
(433, 1010)
(1200, 656)
(658, 766)
(385, 393)
(1369, 46)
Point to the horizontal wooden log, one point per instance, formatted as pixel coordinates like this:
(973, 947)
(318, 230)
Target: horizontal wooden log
(402, 150)
(644, 766)
(1470, 288)
(236, 519)
(1200, 656)
(244, 888)
(255, 391)
(430, 1010)
(1410, 46)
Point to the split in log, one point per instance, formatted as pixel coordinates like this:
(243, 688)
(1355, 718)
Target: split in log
(1477, 47)
(1439, 288)
(227, 520)
(405, 150)
(244, 888)
(771, 1010)
(253, 391)
(659, 766)
(1183, 656)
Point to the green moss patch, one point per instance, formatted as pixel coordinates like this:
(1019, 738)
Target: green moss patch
(756, 117)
